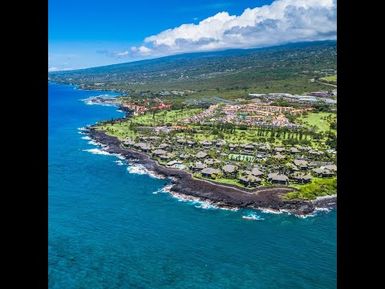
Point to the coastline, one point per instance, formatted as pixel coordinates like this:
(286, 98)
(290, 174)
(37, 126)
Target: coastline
(223, 196)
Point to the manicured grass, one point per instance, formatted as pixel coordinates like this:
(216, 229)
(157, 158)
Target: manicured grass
(330, 79)
(241, 157)
(317, 119)
(165, 116)
(220, 180)
(317, 188)
(119, 130)
(228, 182)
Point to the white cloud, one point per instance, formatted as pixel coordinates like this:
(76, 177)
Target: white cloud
(281, 22)
(120, 54)
(141, 50)
(61, 68)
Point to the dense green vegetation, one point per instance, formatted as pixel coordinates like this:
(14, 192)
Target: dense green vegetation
(309, 135)
(321, 121)
(329, 79)
(317, 188)
(229, 74)
(188, 84)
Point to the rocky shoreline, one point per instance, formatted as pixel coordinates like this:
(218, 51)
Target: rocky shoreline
(221, 195)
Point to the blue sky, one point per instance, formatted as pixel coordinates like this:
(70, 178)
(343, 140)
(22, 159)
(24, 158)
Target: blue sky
(85, 33)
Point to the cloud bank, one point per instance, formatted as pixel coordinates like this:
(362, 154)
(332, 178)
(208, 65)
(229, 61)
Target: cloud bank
(282, 21)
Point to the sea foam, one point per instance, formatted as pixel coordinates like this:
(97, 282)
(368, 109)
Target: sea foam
(141, 170)
(119, 162)
(199, 203)
(97, 151)
(253, 217)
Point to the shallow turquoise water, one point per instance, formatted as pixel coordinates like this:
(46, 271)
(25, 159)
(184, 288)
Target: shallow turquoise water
(108, 230)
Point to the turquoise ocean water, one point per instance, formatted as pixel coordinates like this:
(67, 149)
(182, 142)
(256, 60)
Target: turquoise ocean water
(109, 228)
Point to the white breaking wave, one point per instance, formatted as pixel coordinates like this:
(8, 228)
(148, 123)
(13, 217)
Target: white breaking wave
(86, 137)
(198, 203)
(322, 209)
(119, 162)
(90, 100)
(326, 197)
(141, 170)
(252, 216)
(97, 151)
(92, 142)
(81, 130)
(270, 211)
(163, 190)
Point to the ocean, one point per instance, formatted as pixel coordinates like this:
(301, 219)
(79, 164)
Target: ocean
(113, 226)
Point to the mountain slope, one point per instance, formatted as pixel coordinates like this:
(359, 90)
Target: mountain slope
(291, 64)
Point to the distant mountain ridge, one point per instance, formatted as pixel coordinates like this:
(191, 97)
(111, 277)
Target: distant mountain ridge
(219, 69)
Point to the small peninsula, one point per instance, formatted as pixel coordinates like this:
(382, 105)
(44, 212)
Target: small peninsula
(237, 146)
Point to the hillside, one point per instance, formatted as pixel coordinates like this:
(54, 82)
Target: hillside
(228, 74)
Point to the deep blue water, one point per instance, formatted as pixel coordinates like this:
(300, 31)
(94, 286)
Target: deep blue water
(108, 230)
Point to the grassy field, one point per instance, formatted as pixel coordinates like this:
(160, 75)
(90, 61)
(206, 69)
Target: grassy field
(318, 119)
(228, 182)
(317, 188)
(120, 130)
(330, 79)
(246, 158)
(165, 116)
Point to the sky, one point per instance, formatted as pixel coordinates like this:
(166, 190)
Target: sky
(88, 33)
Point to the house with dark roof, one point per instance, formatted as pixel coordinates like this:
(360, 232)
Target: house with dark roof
(198, 166)
(206, 143)
(279, 149)
(277, 178)
(166, 156)
(181, 141)
(233, 147)
(256, 172)
(294, 150)
(159, 152)
(249, 180)
(332, 168)
(184, 156)
(163, 146)
(249, 147)
(230, 170)
(143, 146)
(264, 148)
(322, 172)
(301, 178)
(301, 164)
(201, 155)
(292, 167)
(209, 161)
(128, 142)
(220, 143)
(210, 172)
(279, 156)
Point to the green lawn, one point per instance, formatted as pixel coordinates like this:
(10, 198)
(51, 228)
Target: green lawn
(120, 130)
(228, 182)
(330, 79)
(165, 116)
(317, 119)
(241, 157)
(316, 188)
